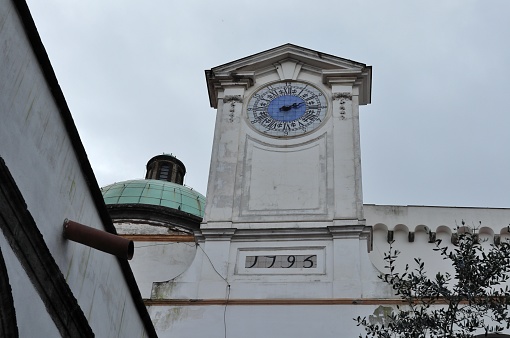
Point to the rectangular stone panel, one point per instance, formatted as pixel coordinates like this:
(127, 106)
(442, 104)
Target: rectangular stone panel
(285, 180)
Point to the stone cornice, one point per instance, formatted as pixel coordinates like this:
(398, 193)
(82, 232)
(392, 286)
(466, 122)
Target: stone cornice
(288, 234)
(360, 78)
(218, 82)
(354, 231)
(224, 234)
(159, 238)
(281, 234)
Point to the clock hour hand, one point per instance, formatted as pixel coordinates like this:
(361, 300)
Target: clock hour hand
(289, 107)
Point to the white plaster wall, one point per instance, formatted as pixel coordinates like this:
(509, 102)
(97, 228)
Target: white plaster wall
(276, 321)
(268, 321)
(31, 316)
(38, 153)
(156, 261)
(420, 248)
(280, 179)
(344, 270)
(160, 261)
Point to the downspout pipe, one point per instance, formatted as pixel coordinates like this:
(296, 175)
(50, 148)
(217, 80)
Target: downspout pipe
(100, 240)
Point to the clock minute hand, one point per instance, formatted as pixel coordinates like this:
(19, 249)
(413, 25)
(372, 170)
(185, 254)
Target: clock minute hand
(289, 107)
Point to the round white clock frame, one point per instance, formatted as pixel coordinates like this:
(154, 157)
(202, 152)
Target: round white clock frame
(287, 109)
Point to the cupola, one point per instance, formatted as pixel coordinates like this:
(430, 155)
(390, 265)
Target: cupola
(166, 167)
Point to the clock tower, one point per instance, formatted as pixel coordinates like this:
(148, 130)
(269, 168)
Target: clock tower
(284, 213)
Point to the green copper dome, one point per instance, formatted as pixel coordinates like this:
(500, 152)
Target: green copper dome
(155, 192)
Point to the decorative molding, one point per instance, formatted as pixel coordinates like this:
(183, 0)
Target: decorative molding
(432, 237)
(359, 79)
(288, 69)
(342, 97)
(224, 234)
(27, 243)
(389, 238)
(346, 231)
(217, 82)
(159, 238)
(320, 301)
(410, 236)
(286, 234)
(366, 234)
(232, 99)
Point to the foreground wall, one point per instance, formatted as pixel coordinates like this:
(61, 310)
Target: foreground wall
(58, 287)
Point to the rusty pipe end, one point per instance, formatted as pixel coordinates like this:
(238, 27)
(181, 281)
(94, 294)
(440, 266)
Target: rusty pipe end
(98, 239)
(130, 250)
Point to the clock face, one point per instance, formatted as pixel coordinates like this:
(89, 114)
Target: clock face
(287, 109)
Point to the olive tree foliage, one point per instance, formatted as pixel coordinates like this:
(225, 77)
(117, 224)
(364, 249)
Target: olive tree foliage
(473, 299)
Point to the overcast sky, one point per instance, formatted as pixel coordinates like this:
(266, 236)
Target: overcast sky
(437, 131)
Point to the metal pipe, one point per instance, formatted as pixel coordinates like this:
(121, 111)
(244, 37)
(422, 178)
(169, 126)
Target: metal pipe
(100, 240)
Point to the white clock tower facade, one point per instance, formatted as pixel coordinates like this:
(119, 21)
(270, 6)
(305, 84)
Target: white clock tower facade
(282, 250)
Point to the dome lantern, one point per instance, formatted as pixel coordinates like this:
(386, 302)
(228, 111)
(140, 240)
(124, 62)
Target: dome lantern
(166, 168)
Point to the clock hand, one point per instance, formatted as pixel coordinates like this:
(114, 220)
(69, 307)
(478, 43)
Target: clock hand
(289, 107)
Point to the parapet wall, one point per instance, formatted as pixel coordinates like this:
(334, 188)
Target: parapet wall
(415, 229)
(412, 219)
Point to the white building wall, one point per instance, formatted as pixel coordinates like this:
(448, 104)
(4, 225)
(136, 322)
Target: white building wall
(38, 152)
(159, 262)
(256, 321)
(156, 261)
(32, 319)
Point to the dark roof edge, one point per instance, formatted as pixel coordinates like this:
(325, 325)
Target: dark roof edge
(51, 79)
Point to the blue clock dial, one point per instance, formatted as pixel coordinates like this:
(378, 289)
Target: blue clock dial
(286, 109)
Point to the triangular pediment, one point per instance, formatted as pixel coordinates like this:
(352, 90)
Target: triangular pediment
(328, 66)
(269, 57)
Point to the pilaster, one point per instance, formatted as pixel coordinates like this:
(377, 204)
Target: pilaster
(222, 176)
